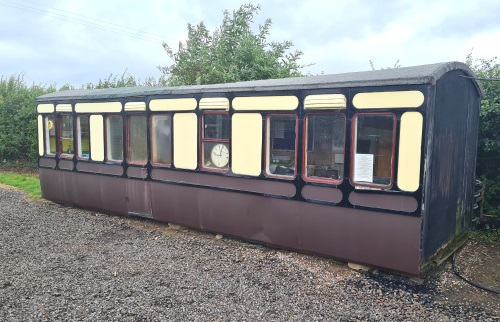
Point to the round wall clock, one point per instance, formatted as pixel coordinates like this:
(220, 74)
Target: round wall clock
(220, 155)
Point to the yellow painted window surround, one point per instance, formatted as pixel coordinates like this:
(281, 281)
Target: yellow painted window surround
(97, 137)
(265, 103)
(103, 107)
(185, 141)
(325, 101)
(410, 144)
(45, 108)
(394, 99)
(173, 104)
(246, 144)
(214, 103)
(40, 135)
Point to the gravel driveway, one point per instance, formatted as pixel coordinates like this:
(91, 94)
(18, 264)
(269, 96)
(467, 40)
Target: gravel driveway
(62, 263)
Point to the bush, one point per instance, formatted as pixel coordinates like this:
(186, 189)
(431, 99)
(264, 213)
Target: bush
(18, 119)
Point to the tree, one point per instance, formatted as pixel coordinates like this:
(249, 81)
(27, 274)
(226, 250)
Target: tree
(231, 53)
(488, 153)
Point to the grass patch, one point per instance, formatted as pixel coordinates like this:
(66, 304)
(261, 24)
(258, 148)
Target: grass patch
(29, 183)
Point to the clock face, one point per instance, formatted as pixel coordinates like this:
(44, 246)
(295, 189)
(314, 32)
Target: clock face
(220, 155)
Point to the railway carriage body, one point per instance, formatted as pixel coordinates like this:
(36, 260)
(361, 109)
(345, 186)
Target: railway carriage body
(374, 167)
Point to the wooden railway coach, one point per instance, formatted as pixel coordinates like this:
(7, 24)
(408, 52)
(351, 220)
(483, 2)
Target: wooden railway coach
(371, 167)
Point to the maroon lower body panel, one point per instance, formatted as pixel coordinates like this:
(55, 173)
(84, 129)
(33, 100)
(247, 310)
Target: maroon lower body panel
(374, 238)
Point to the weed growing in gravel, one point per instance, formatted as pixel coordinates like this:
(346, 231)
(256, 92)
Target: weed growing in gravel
(487, 234)
(27, 182)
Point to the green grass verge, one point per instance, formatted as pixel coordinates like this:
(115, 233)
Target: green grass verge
(29, 183)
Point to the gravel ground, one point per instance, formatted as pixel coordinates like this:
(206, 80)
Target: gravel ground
(62, 263)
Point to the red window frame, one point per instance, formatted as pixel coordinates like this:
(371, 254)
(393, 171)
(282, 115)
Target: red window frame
(354, 146)
(59, 137)
(151, 140)
(127, 146)
(45, 153)
(106, 147)
(267, 143)
(78, 137)
(304, 153)
(203, 140)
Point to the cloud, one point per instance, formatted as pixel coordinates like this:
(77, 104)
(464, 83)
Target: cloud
(337, 36)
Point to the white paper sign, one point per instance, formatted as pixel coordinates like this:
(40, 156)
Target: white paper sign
(363, 168)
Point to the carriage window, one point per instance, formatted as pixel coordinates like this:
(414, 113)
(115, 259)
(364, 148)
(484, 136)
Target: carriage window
(161, 139)
(281, 144)
(83, 132)
(215, 141)
(50, 135)
(137, 139)
(325, 146)
(373, 150)
(114, 138)
(66, 142)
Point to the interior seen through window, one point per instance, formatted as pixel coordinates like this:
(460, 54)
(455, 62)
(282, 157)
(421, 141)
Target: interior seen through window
(66, 141)
(137, 139)
(215, 141)
(325, 146)
(114, 138)
(50, 135)
(83, 131)
(281, 145)
(374, 141)
(161, 139)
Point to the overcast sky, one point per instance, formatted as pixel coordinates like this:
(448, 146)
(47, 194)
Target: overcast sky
(75, 41)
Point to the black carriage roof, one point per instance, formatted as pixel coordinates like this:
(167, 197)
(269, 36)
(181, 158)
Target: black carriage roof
(416, 75)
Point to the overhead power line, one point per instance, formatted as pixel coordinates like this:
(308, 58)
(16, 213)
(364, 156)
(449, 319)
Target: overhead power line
(100, 20)
(87, 21)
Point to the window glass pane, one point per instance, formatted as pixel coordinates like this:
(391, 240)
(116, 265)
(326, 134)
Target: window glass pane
(325, 146)
(216, 155)
(373, 150)
(281, 141)
(216, 126)
(66, 130)
(137, 139)
(161, 139)
(114, 139)
(83, 136)
(50, 135)
(215, 145)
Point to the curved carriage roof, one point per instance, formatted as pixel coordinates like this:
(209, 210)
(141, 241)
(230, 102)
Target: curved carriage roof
(416, 75)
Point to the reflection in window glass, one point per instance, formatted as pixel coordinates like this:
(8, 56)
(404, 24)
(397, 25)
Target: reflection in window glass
(325, 146)
(83, 130)
(374, 139)
(50, 135)
(215, 141)
(114, 138)
(66, 135)
(216, 126)
(137, 139)
(161, 139)
(281, 145)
